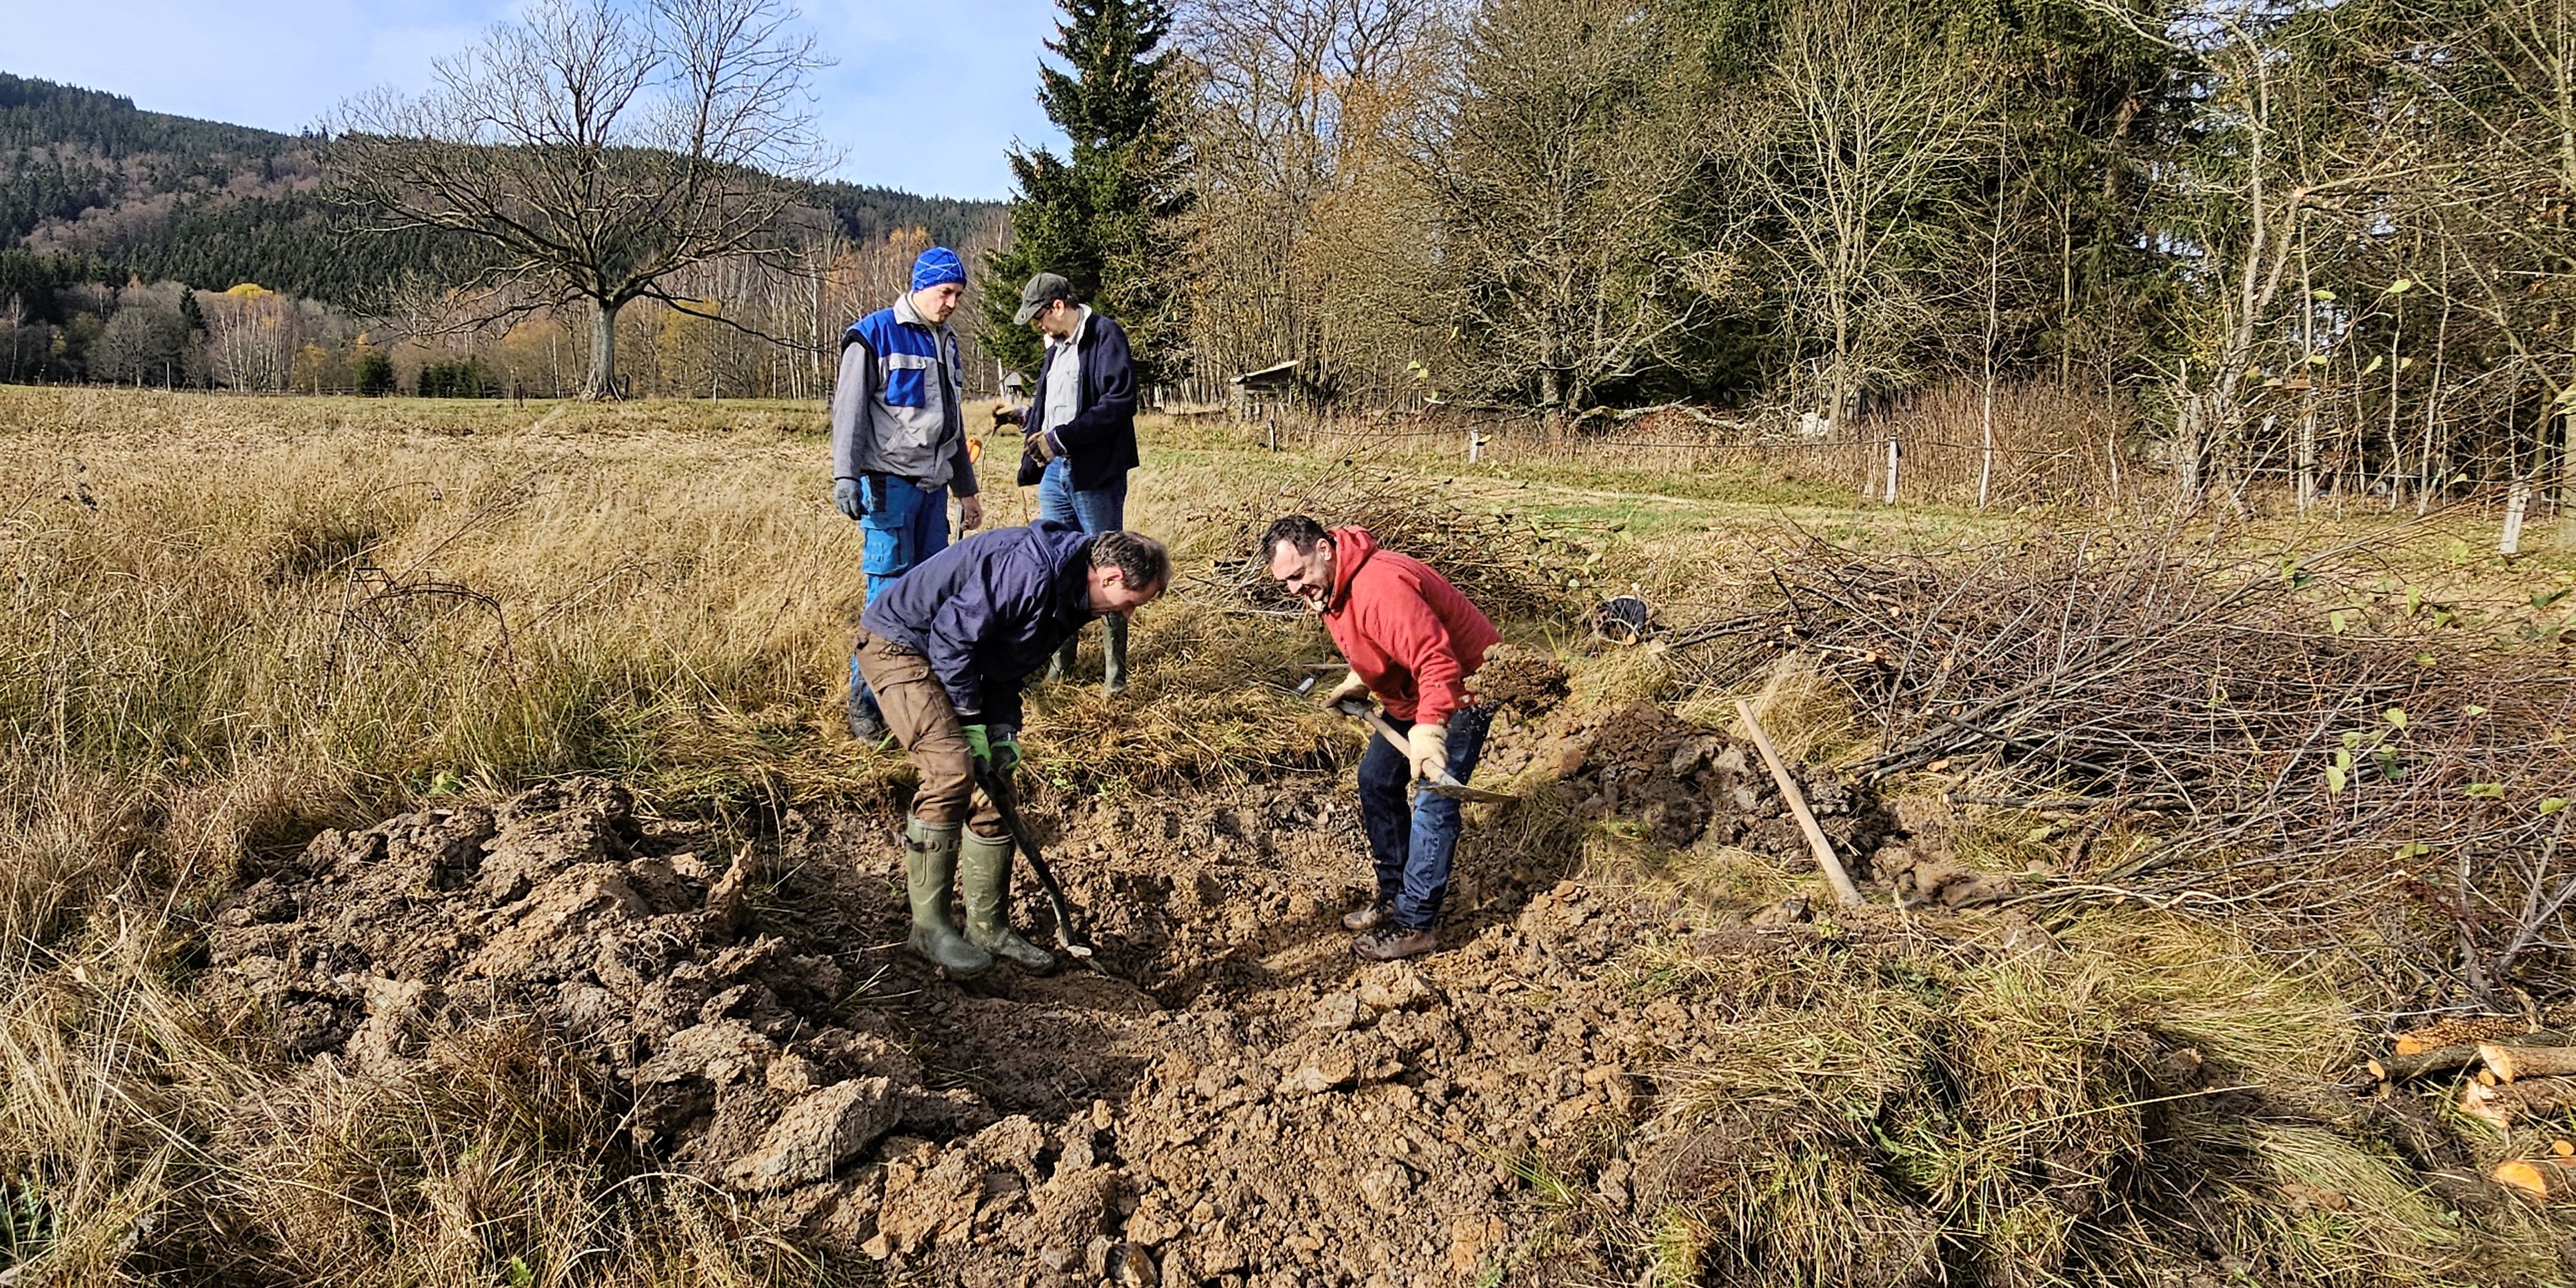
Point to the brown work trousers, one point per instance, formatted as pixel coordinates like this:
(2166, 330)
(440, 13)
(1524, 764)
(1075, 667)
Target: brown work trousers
(918, 712)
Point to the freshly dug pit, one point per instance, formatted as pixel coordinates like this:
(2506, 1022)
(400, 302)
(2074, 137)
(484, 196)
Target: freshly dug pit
(1231, 1098)
(1228, 1088)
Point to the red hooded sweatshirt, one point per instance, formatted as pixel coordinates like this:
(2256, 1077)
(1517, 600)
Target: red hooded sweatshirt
(1404, 628)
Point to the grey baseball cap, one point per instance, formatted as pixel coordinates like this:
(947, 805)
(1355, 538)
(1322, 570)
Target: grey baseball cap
(1042, 290)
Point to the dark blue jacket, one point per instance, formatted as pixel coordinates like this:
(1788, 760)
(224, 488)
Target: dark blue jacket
(988, 611)
(1100, 440)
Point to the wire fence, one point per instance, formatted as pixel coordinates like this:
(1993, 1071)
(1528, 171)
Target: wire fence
(2077, 455)
(1898, 465)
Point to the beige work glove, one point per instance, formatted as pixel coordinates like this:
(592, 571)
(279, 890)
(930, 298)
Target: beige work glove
(1428, 745)
(1348, 692)
(1004, 413)
(1351, 689)
(1038, 446)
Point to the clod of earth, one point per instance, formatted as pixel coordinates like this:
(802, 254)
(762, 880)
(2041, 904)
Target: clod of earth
(1258, 1088)
(1255, 1107)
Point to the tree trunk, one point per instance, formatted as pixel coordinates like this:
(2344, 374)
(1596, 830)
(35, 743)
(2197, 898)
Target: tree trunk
(2511, 1062)
(2307, 453)
(2558, 406)
(602, 382)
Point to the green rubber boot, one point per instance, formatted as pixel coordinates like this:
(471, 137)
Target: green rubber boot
(1060, 667)
(1113, 670)
(929, 863)
(984, 877)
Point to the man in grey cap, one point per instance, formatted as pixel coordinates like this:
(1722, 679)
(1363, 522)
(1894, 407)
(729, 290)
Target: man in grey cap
(1078, 433)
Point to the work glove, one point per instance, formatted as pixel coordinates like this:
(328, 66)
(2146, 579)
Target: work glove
(1040, 446)
(996, 748)
(845, 498)
(1351, 689)
(1428, 745)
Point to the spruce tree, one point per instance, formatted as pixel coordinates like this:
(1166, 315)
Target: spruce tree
(1105, 215)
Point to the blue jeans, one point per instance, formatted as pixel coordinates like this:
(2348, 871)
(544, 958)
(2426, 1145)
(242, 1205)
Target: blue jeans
(1101, 509)
(902, 524)
(1411, 841)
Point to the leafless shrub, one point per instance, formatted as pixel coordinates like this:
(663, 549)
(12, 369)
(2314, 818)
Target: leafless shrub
(2289, 742)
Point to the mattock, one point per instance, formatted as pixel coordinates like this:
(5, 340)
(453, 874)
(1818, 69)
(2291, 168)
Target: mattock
(1444, 784)
(1068, 936)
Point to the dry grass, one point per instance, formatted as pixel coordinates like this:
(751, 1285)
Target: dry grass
(317, 613)
(1892, 1106)
(321, 611)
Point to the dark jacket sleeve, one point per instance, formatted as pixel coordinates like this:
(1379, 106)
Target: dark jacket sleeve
(1109, 374)
(950, 644)
(1031, 468)
(850, 397)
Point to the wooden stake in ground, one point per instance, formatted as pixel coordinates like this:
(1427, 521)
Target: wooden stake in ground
(1824, 850)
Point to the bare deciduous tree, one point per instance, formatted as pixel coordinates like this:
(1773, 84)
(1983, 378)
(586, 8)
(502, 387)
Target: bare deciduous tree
(1305, 237)
(2504, 83)
(586, 154)
(1864, 127)
(1571, 138)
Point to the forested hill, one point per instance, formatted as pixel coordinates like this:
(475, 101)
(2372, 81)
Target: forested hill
(90, 177)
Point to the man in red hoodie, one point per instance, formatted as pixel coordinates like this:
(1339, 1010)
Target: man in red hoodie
(1412, 640)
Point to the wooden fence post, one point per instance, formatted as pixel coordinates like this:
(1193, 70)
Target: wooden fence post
(1893, 454)
(2510, 543)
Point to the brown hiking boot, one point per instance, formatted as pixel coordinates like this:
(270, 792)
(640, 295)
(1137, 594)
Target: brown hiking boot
(1365, 917)
(1393, 942)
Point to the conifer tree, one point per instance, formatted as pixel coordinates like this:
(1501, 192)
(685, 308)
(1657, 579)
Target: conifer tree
(1104, 216)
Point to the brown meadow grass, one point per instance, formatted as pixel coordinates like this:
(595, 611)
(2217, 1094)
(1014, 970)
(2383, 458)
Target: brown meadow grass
(233, 622)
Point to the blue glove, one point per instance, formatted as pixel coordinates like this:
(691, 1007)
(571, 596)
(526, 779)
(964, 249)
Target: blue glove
(845, 498)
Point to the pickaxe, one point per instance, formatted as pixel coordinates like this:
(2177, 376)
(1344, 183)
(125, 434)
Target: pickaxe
(1067, 935)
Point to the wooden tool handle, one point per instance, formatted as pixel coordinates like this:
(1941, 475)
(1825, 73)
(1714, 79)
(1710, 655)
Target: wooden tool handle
(1844, 890)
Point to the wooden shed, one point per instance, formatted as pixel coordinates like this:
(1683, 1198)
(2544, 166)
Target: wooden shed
(1274, 386)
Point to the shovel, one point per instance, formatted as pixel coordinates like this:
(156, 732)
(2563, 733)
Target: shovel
(1067, 936)
(1444, 784)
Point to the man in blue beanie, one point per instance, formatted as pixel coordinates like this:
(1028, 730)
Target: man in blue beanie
(899, 440)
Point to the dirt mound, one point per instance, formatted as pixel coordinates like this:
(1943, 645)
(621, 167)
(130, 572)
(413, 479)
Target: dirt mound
(1234, 1101)
(1687, 785)
(1525, 681)
(634, 949)
(1587, 1084)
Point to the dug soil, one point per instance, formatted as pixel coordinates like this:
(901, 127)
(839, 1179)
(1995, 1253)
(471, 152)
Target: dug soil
(1224, 1096)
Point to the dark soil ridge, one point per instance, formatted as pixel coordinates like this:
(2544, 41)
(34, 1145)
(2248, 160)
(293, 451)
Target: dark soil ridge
(1231, 1100)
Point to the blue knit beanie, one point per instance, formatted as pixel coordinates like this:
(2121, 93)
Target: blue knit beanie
(937, 266)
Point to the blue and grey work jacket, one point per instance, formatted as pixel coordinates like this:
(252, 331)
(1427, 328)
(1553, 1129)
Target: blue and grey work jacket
(895, 410)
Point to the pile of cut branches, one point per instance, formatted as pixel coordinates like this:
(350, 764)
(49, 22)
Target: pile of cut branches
(2282, 740)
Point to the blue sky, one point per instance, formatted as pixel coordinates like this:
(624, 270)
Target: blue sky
(923, 96)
